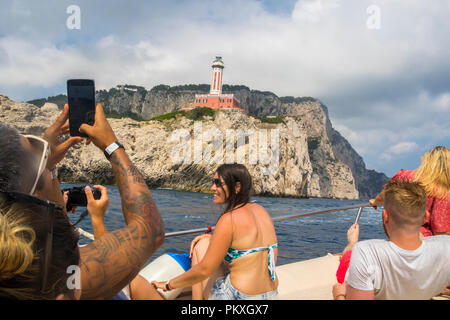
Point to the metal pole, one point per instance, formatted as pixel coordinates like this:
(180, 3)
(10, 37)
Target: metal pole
(318, 212)
(358, 215)
(191, 231)
(209, 229)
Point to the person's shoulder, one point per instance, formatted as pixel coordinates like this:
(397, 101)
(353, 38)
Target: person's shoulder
(443, 240)
(372, 244)
(225, 216)
(370, 252)
(224, 223)
(256, 206)
(439, 238)
(404, 174)
(438, 245)
(250, 207)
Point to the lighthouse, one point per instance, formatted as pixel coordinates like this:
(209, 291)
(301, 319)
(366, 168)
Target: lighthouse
(215, 99)
(216, 82)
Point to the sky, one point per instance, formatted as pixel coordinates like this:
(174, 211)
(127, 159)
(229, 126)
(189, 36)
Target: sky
(380, 66)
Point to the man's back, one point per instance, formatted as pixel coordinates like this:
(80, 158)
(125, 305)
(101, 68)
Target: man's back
(395, 273)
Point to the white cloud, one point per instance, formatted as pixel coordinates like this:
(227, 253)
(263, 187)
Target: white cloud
(442, 103)
(399, 149)
(30, 64)
(364, 141)
(403, 147)
(290, 56)
(312, 11)
(382, 87)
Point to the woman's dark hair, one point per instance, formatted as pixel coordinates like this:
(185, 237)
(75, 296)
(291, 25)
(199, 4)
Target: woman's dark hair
(23, 236)
(16, 165)
(231, 174)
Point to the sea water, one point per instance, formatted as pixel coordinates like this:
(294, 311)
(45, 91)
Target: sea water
(298, 239)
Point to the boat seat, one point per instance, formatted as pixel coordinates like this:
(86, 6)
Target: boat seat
(308, 280)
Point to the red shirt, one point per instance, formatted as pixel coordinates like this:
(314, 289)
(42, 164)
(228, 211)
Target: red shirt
(437, 221)
(343, 266)
(439, 209)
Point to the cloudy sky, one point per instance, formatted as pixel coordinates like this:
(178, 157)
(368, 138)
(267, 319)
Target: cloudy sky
(381, 67)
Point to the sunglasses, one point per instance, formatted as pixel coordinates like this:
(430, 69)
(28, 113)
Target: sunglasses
(217, 182)
(43, 149)
(51, 209)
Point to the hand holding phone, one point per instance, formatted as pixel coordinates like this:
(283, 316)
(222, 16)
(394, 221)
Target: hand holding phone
(52, 135)
(101, 133)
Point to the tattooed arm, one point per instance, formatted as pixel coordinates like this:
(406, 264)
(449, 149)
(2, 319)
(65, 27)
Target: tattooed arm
(109, 263)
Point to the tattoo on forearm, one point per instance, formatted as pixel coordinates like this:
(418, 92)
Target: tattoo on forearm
(117, 257)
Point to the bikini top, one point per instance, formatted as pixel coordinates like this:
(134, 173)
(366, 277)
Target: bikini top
(233, 254)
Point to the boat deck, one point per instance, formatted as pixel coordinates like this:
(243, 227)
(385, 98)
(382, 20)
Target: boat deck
(308, 280)
(305, 280)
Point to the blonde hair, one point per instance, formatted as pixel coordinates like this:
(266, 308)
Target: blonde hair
(434, 172)
(406, 202)
(23, 234)
(17, 254)
(16, 240)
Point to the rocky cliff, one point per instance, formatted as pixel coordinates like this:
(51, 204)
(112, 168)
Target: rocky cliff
(325, 144)
(286, 156)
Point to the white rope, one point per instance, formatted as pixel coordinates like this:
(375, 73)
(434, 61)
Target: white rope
(86, 234)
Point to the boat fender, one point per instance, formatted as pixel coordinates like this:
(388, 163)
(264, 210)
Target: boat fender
(166, 267)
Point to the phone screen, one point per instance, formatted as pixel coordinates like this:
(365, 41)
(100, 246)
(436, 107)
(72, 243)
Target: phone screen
(81, 98)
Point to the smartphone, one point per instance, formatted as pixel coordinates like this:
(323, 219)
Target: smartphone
(81, 98)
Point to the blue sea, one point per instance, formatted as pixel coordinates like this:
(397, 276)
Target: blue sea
(298, 239)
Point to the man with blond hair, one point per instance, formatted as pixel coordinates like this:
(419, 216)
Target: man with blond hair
(406, 266)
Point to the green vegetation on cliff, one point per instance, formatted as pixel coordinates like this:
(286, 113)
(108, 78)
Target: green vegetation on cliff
(115, 115)
(60, 100)
(194, 114)
(271, 119)
(291, 99)
(168, 116)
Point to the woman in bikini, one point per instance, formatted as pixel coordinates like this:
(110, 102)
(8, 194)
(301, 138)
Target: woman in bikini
(238, 260)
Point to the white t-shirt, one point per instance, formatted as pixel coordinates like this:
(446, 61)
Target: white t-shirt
(395, 273)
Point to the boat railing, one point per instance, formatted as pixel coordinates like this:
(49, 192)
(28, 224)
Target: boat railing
(280, 218)
(209, 229)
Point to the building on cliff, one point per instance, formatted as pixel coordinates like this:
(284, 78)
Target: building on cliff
(215, 99)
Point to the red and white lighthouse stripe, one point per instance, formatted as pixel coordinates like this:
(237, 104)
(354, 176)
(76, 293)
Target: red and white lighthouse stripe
(216, 82)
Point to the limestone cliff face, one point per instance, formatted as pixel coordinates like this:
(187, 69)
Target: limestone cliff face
(368, 182)
(163, 99)
(294, 157)
(326, 145)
